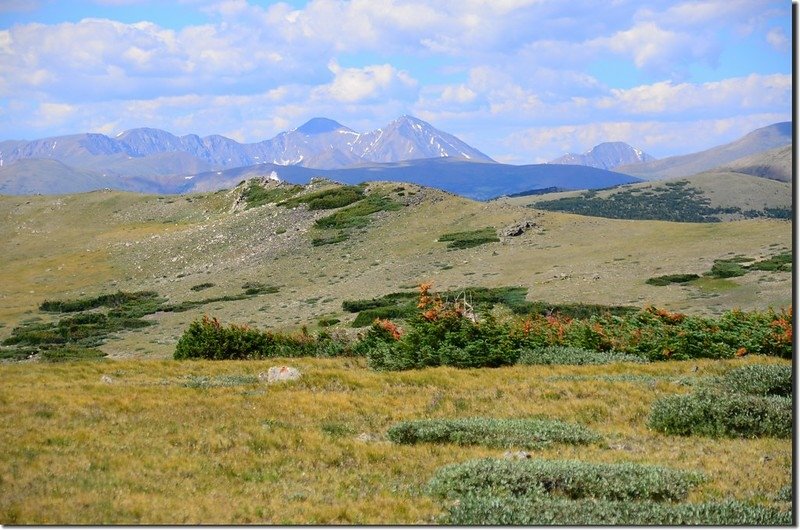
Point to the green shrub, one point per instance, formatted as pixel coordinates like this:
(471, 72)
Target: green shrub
(468, 239)
(573, 479)
(119, 299)
(514, 511)
(256, 288)
(717, 414)
(779, 262)
(491, 432)
(574, 356)
(69, 354)
(257, 195)
(727, 269)
(357, 214)
(202, 286)
(208, 339)
(672, 278)
(329, 239)
(759, 379)
(327, 322)
(327, 199)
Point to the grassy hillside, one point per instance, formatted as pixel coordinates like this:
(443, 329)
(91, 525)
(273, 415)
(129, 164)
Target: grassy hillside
(706, 197)
(136, 437)
(758, 141)
(88, 244)
(775, 164)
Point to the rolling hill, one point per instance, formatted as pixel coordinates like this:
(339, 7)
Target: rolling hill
(710, 196)
(475, 180)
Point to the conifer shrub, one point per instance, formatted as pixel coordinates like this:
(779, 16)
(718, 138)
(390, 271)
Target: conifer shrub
(727, 269)
(71, 354)
(491, 432)
(327, 199)
(358, 214)
(571, 355)
(202, 286)
(329, 239)
(476, 510)
(207, 338)
(572, 479)
(257, 195)
(720, 414)
(779, 262)
(671, 278)
(470, 238)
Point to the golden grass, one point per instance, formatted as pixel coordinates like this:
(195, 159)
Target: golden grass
(147, 448)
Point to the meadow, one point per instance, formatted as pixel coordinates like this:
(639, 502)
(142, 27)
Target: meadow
(106, 426)
(149, 441)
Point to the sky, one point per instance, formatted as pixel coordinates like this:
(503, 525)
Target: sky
(524, 81)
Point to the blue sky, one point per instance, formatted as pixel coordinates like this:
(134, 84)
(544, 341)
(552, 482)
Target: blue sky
(522, 80)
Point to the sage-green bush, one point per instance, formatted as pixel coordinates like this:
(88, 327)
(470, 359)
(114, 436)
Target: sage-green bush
(491, 432)
(719, 414)
(519, 511)
(759, 380)
(573, 479)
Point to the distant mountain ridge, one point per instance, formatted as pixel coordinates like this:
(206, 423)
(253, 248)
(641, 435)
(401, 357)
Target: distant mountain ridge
(319, 143)
(606, 155)
(759, 140)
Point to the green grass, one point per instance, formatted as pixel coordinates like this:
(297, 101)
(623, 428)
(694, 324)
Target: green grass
(469, 239)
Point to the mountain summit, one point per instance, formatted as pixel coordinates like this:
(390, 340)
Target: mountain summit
(320, 125)
(606, 155)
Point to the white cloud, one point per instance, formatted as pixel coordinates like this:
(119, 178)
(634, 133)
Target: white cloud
(749, 93)
(357, 84)
(778, 39)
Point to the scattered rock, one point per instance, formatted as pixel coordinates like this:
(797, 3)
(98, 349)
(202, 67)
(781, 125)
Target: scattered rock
(517, 229)
(107, 379)
(366, 437)
(279, 373)
(516, 455)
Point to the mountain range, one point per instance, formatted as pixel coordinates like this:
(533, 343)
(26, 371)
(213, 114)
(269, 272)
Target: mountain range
(319, 143)
(407, 149)
(606, 155)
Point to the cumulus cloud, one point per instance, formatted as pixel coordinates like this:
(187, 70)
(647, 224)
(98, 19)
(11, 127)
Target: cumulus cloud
(753, 92)
(778, 39)
(357, 84)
